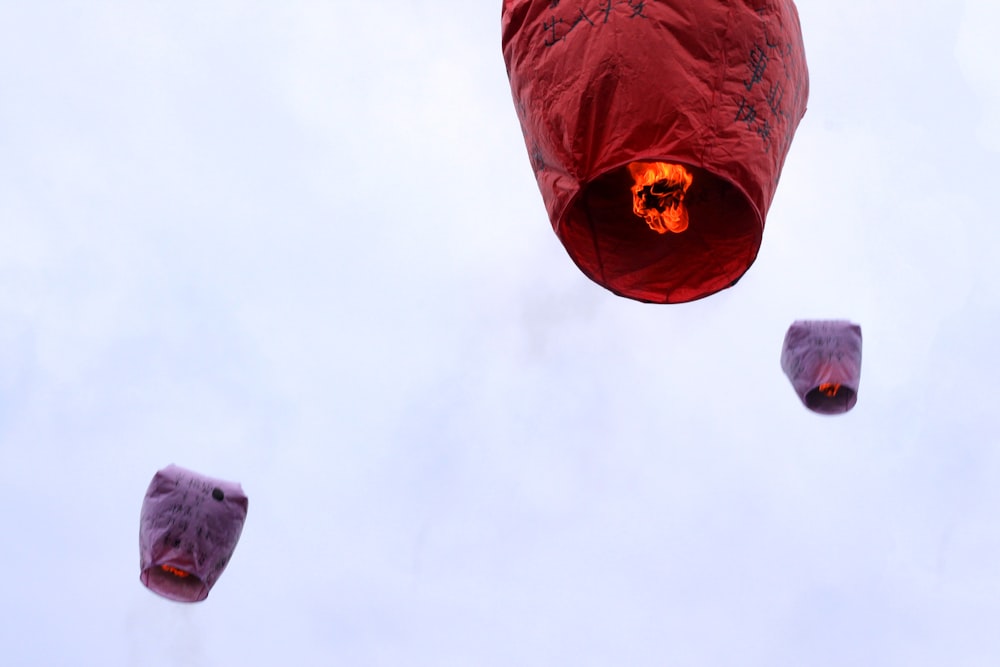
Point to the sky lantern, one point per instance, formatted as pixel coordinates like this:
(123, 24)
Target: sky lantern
(822, 358)
(657, 132)
(188, 530)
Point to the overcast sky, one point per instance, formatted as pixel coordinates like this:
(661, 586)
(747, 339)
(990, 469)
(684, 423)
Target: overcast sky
(299, 245)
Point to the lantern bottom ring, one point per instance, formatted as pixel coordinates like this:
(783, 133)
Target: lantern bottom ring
(819, 399)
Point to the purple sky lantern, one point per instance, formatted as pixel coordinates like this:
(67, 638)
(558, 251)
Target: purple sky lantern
(822, 358)
(188, 530)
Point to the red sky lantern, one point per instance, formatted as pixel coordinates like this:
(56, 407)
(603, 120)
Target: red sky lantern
(657, 132)
(822, 358)
(188, 530)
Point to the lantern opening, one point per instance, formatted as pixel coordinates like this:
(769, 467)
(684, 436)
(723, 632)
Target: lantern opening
(658, 195)
(834, 399)
(174, 583)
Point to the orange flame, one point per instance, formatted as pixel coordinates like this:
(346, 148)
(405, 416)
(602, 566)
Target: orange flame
(658, 195)
(174, 571)
(830, 389)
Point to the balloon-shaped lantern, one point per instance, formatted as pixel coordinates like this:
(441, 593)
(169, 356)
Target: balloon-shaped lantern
(188, 530)
(657, 132)
(822, 358)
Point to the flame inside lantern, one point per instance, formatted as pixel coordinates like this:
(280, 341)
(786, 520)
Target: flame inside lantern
(658, 195)
(175, 571)
(830, 389)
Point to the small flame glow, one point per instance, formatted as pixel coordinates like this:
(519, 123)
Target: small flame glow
(658, 195)
(830, 389)
(174, 571)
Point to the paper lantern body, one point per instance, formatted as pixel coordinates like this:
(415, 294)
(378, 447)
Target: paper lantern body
(188, 530)
(718, 87)
(822, 358)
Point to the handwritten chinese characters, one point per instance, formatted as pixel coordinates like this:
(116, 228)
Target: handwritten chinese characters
(771, 94)
(565, 19)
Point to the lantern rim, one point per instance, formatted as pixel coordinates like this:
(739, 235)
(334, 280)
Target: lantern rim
(718, 253)
(817, 400)
(189, 588)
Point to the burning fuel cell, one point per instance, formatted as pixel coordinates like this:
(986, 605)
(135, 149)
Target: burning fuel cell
(658, 195)
(822, 359)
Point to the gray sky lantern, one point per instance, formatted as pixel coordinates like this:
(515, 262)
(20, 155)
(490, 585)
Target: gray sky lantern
(822, 359)
(188, 530)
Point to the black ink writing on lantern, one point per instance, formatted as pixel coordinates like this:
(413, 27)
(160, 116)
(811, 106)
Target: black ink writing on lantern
(558, 25)
(775, 96)
(638, 6)
(550, 29)
(768, 75)
(787, 116)
(557, 29)
(763, 130)
(605, 9)
(537, 158)
(201, 486)
(746, 112)
(757, 63)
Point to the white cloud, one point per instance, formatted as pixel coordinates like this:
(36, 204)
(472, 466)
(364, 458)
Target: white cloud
(978, 53)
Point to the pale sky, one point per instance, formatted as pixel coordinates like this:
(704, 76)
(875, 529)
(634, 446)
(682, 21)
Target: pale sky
(299, 245)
